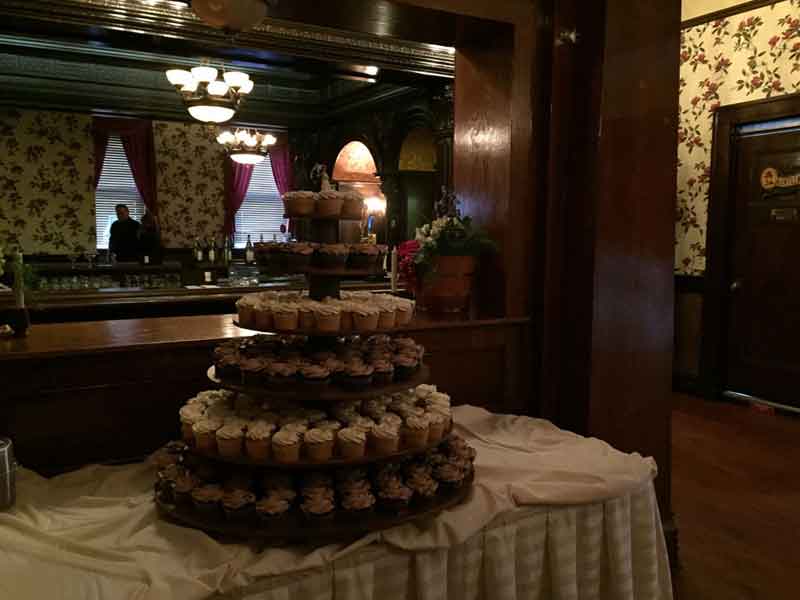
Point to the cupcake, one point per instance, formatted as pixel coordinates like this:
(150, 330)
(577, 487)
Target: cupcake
(394, 496)
(315, 375)
(318, 506)
(305, 316)
(351, 443)
(265, 320)
(450, 476)
(392, 419)
(405, 366)
(384, 439)
(328, 425)
(357, 376)
(182, 488)
(272, 507)
(282, 375)
(328, 318)
(238, 504)
(298, 257)
(352, 206)
(230, 440)
(329, 204)
(253, 371)
(358, 503)
(299, 204)
(415, 432)
(384, 372)
(246, 311)
(204, 431)
(286, 317)
(286, 446)
(318, 444)
(206, 499)
(190, 414)
(387, 319)
(332, 256)
(363, 256)
(258, 441)
(365, 318)
(438, 424)
(423, 485)
(404, 310)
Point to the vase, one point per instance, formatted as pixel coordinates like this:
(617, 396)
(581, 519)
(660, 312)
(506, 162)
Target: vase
(447, 288)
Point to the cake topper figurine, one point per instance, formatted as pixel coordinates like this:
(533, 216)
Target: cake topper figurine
(447, 205)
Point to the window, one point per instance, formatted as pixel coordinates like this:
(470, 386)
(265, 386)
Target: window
(116, 186)
(261, 213)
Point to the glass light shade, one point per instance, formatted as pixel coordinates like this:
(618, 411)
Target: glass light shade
(217, 88)
(371, 71)
(178, 76)
(247, 87)
(247, 158)
(226, 137)
(242, 135)
(236, 79)
(190, 86)
(212, 114)
(268, 140)
(204, 74)
(251, 142)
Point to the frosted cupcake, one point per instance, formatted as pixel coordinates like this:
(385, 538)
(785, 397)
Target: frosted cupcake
(315, 375)
(438, 425)
(286, 446)
(318, 444)
(305, 316)
(286, 317)
(404, 311)
(328, 318)
(204, 431)
(415, 432)
(384, 372)
(352, 205)
(351, 443)
(365, 317)
(329, 204)
(387, 318)
(363, 256)
(346, 316)
(258, 441)
(332, 256)
(384, 439)
(357, 376)
(298, 257)
(272, 507)
(230, 440)
(299, 204)
(264, 320)
(246, 312)
(190, 414)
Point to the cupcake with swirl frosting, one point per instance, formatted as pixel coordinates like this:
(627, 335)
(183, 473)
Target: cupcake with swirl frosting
(318, 444)
(351, 443)
(286, 446)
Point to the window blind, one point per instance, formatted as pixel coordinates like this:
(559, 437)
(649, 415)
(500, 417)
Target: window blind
(261, 213)
(116, 186)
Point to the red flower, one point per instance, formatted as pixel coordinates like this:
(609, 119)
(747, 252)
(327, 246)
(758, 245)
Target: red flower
(756, 82)
(776, 85)
(695, 100)
(406, 252)
(773, 41)
(714, 107)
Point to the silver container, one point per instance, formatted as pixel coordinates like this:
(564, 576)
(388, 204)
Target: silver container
(8, 474)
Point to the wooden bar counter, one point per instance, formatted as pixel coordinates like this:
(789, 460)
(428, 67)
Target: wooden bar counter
(73, 393)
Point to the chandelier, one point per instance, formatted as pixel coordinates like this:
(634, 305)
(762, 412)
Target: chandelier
(246, 147)
(207, 98)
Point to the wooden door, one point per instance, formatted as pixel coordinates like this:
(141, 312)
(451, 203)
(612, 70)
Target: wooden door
(764, 286)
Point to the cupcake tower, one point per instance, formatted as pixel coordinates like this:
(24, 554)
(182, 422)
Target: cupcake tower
(324, 258)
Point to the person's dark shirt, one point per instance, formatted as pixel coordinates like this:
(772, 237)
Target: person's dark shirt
(150, 244)
(125, 240)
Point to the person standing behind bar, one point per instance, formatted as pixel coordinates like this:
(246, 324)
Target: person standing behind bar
(150, 239)
(124, 241)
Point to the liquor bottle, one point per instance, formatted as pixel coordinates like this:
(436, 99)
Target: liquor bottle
(198, 250)
(228, 250)
(249, 252)
(262, 238)
(212, 251)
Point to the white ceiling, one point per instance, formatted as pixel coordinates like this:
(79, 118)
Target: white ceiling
(698, 8)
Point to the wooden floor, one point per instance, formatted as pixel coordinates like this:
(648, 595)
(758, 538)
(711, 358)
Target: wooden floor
(736, 495)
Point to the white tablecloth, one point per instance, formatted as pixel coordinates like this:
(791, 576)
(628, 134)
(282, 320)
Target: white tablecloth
(552, 515)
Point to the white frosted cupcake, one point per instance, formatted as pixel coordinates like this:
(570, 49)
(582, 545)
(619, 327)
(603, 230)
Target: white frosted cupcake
(230, 439)
(204, 431)
(384, 439)
(415, 432)
(286, 317)
(352, 442)
(258, 441)
(328, 318)
(190, 414)
(286, 446)
(318, 444)
(365, 317)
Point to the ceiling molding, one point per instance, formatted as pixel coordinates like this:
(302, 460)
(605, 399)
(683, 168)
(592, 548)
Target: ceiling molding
(166, 20)
(726, 12)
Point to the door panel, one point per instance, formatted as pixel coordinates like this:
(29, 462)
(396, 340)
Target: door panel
(764, 316)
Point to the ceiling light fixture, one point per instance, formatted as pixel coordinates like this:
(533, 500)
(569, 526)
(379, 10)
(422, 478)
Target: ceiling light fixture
(246, 147)
(207, 98)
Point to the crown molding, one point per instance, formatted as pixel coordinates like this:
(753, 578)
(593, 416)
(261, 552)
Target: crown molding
(176, 22)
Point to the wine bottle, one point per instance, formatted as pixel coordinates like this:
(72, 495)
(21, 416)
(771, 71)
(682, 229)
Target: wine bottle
(212, 251)
(249, 253)
(198, 250)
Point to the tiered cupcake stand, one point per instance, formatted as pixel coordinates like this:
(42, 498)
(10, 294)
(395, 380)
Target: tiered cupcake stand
(295, 527)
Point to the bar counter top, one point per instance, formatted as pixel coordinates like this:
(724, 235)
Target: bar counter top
(69, 339)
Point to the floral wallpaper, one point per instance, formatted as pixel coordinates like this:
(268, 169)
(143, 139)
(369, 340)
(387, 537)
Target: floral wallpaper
(46, 181)
(751, 56)
(190, 182)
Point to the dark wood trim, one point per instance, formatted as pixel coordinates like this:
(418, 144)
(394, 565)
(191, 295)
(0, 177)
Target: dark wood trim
(715, 305)
(726, 12)
(690, 284)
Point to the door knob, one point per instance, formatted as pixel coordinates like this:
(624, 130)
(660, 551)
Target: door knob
(736, 285)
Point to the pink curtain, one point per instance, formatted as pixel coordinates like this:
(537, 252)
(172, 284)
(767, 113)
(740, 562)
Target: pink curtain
(281, 159)
(137, 139)
(237, 180)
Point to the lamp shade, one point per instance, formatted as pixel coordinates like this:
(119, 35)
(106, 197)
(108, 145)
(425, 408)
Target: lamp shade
(236, 79)
(204, 74)
(178, 77)
(217, 88)
(246, 87)
(211, 114)
(247, 158)
(235, 15)
(226, 137)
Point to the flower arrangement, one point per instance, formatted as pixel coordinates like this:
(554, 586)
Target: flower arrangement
(451, 235)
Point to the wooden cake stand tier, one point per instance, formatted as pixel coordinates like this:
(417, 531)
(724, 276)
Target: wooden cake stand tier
(295, 527)
(318, 334)
(323, 393)
(308, 465)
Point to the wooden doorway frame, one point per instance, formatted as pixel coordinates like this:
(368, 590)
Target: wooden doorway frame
(713, 353)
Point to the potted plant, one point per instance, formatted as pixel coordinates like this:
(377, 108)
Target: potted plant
(439, 265)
